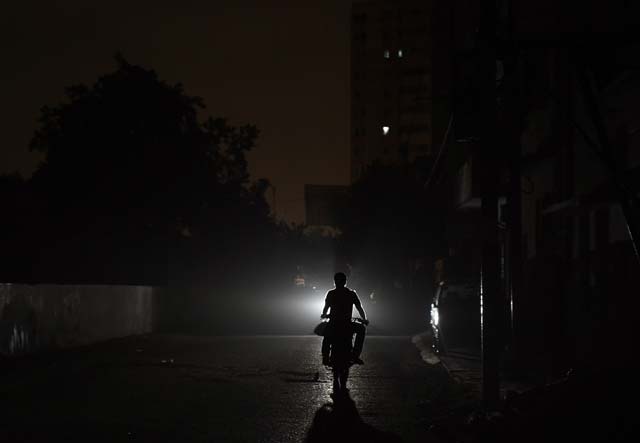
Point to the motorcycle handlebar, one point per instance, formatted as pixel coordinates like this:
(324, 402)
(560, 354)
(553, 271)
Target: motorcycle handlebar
(353, 319)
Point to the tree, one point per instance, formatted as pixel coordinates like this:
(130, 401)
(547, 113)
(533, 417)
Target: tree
(129, 166)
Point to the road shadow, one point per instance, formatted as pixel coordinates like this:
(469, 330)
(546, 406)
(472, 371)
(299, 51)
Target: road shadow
(340, 422)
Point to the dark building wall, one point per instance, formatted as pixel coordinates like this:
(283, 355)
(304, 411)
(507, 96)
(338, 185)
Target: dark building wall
(45, 317)
(579, 272)
(579, 263)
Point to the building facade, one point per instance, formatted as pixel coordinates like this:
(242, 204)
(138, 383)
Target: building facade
(390, 83)
(567, 262)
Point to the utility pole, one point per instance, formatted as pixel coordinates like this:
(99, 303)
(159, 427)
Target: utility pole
(514, 198)
(512, 120)
(487, 163)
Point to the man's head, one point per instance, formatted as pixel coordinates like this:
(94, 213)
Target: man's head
(340, 279)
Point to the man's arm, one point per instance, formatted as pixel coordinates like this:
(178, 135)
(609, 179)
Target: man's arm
(326, 307)
(359, 307)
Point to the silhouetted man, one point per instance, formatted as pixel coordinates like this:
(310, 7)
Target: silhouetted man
(339, 303)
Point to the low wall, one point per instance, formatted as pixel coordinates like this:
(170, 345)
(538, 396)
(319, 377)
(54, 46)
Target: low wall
(42, 317)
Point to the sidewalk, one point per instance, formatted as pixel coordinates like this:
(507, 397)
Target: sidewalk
(465, 367)
(588, 405)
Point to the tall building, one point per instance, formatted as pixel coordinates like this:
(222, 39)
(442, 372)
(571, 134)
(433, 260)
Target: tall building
(390, 82)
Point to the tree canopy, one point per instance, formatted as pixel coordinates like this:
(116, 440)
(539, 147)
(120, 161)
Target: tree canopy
(132, 142)
(133, 172)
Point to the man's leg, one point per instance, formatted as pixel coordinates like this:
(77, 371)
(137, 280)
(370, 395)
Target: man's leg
(326, 347)
(360, 331)
(326, 344)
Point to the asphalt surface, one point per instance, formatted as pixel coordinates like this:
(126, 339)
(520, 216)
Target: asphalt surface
(219, 389)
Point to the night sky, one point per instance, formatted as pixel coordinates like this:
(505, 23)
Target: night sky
(282, 65)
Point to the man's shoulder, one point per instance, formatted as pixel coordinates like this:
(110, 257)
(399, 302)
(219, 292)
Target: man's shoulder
(342, 292)
(352, 293)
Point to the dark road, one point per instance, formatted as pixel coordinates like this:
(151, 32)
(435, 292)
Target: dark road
(218, 389)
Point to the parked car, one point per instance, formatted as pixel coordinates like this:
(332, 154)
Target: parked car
(455, 318)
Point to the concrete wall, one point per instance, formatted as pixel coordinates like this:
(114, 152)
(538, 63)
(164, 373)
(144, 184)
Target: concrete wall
(42, 317)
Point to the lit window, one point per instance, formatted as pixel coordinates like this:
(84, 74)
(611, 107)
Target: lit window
(387, 54)
(400, 54)
(385, 130)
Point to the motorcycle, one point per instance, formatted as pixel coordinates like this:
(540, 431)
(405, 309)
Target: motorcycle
(341, 351)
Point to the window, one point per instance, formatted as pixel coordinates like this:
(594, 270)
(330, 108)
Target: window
(387, 53)
(385, 130)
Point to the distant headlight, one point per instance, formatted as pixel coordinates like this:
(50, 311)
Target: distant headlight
(310, 305)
